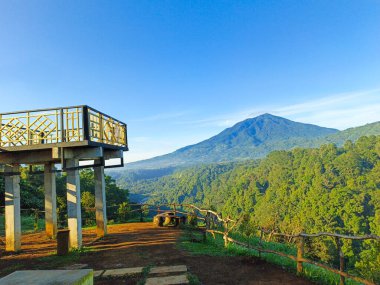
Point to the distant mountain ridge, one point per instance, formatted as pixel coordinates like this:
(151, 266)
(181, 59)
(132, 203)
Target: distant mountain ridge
(255, 138)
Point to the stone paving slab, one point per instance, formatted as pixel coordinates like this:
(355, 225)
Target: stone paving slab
(122, 271)
(168, 269)
(49, 277)
(75, 266)
(98, 273)
(168, 280)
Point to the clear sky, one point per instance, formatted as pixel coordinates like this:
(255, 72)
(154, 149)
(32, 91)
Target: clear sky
(181, 71)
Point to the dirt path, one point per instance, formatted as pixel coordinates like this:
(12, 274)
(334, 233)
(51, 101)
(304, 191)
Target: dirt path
(140, 244)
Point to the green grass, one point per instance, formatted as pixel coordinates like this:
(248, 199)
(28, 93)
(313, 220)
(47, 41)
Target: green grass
(215, 247)
(144, 274)
(27, 224)
(193, 279)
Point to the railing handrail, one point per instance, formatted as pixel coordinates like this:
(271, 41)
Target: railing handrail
(42, 110)
(370, 236)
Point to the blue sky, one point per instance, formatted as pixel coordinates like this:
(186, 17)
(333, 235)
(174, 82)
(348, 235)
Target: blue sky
(181, 71)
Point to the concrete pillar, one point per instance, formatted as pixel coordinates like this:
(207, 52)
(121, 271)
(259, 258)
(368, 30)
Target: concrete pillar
(73, 204)
(12, 210)
(50, 201)
(100, 201)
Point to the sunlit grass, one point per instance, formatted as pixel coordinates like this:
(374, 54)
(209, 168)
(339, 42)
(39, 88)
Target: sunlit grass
(27, 224)
(215, 247)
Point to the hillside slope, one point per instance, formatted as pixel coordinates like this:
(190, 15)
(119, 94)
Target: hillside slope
(249, 139)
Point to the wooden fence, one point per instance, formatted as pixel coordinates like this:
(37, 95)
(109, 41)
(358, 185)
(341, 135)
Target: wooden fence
(224, 227)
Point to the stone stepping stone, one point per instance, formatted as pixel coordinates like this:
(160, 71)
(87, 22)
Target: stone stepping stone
(48, 277)
(167, 280)
(168, 269)
(75, 266)
(122, 271)
(98, 273)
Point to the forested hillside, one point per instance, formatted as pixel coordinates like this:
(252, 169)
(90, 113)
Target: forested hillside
(327, 189)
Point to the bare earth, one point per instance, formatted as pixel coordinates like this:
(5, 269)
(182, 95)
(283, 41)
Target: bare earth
(141, 244)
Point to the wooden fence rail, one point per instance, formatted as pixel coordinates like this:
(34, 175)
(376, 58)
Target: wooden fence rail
(228, 225)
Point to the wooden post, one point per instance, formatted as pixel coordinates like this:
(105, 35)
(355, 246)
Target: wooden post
(35, 220)
(141, 215)
(175, 210)
(260, 242)
(300, 252)
(225, 236)
(341, 260)
(207, 221)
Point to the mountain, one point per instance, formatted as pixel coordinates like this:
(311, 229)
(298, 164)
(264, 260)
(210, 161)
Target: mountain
(249, 139)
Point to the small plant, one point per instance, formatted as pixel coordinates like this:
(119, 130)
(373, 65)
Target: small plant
(193, 279)
(145, 273)
(192, 219)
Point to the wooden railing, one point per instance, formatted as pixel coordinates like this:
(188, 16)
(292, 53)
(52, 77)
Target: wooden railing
(215, 224)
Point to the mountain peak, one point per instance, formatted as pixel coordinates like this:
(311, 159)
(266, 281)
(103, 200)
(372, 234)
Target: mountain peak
(248, 139)
(267, 116)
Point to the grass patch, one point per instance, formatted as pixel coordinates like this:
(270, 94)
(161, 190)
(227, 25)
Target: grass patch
(210, 247)
(54, 261)
(145, 273)
(27, 224)
(193, 279)
(215, 247)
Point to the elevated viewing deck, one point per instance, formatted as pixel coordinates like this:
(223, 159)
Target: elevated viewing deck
(61, 127)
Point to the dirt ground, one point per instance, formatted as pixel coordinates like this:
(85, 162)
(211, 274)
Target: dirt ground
(140, 244)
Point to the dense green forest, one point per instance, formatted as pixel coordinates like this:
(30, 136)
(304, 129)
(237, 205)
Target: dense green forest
(32, 195)
(330, 189)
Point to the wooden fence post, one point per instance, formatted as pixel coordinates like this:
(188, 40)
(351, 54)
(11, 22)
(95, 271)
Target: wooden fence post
(225, 236)
(341, 260)
(260, 242)
(300, 252)
(35, 220)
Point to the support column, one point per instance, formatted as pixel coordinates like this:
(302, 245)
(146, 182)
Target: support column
(50, 201)
(74, 215)
(12, 210)
(100, 201)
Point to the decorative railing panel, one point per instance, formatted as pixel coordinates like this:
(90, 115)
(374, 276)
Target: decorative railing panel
(105, 129)
(60, 125)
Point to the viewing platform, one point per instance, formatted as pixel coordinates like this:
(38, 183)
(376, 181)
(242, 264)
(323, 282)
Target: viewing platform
(50, 135)
(61, 127)
(65, 136)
